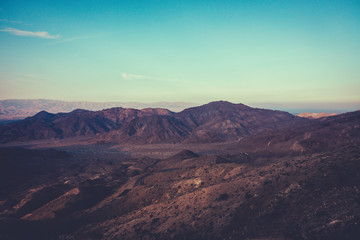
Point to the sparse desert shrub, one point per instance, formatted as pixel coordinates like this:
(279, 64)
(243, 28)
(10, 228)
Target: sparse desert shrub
(267, 182)
(248, 195)
(223, 197)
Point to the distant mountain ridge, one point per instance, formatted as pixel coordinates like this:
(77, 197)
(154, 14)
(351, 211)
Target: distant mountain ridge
(214, 122)
(315, 115)
(14, 109)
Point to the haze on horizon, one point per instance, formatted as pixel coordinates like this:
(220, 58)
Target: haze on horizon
(280, 53)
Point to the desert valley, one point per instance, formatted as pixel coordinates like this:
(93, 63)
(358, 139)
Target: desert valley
(216, 171)
(184, 120)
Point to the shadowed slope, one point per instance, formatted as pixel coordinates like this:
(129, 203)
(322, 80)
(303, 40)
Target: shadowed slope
(316, 136)
(214, 122)
(277, 190)
(222, 121)
(78, 123)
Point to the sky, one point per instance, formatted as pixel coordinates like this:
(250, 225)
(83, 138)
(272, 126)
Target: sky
(268, 53)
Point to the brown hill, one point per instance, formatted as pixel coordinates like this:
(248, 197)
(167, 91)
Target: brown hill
(223, 121)
(145, 130)
(214, 122)
(14, 109)
(78, 123)
(294, 183)
(187, 196)
(318, 135)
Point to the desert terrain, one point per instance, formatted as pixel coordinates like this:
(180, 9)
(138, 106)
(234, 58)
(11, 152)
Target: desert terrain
(217, 171)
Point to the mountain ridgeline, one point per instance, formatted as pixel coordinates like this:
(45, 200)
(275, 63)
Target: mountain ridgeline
(214, 122)
(255, 174)
(18, 109)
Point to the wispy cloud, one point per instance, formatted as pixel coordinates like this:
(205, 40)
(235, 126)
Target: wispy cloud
(10, 21)
(40, 34)
(130, 76)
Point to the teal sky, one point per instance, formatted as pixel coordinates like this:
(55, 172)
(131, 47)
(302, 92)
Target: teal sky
(281, 52)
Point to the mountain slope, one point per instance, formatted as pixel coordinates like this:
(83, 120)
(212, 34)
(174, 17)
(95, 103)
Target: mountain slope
(295, 183)
(312, 196)
(315, 136)
(214, 122)
(222, 121)
(78, 123)
(14, 109)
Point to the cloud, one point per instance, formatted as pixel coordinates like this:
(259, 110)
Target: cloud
(41, 34)
(129, 76)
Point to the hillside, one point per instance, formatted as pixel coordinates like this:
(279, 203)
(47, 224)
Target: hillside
(14, 109)
(78, 123)
(214, 122)
(268, 191)
(319, 135)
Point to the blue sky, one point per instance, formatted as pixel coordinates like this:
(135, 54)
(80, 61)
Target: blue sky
(301, 53)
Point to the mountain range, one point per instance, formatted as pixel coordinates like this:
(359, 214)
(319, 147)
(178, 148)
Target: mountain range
(17, 109)
(214, 122)
(315, 115)
(14, 109)
(217, 171)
